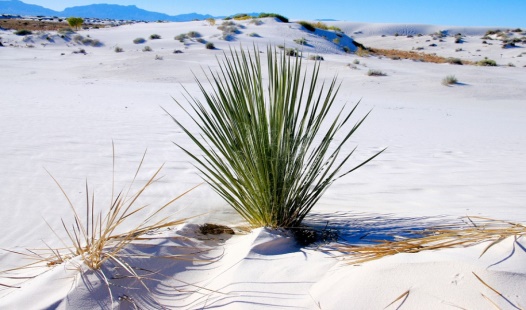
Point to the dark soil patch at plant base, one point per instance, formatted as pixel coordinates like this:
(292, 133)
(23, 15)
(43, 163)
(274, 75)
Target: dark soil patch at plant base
(214, 229)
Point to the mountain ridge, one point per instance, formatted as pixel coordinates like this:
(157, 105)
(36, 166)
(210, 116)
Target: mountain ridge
(102, 11)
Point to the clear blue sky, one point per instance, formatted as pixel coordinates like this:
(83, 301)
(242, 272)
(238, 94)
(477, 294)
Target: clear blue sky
(506, 13)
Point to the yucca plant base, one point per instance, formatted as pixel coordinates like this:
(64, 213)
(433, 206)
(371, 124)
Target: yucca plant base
(268, 148)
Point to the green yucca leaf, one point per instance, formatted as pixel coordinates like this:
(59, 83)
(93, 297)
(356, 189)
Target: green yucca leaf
(263, 146)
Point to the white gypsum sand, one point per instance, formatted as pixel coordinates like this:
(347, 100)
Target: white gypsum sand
(452, 151)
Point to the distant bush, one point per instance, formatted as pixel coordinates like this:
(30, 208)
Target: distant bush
(487, 63)
(211, 21)
(362, 52)
(449, 80)
(346, 49)
(157, 57)
(147, 49)
(193, 34)
(256, 22)
(23, 32)
(155, 37)
(490, 32)
(458, 40)
(307, 25)
(253, 34)
(315, 57)
(301, 41)
(372, 72)
(241, 17)
(118, 49)
(511, 64)
(180, 37)
(292, 52)
(139, 40)
(279, 17)
(201, 40)
(75, 22)
(454, 61)
(210, 46)
(356, 62)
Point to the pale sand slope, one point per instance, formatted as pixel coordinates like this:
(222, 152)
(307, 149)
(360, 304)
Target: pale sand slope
(452, 151)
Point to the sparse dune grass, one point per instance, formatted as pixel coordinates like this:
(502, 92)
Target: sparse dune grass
(476, 230)
(269, 148)
(98, 237)
(412, 55)
(449, 80)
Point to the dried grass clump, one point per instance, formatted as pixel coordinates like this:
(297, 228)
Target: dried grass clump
(98, 237)
(479, 230)
(412, 55)
(373, 72)
(449, 80)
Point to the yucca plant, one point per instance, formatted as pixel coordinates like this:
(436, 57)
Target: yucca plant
(270, 149)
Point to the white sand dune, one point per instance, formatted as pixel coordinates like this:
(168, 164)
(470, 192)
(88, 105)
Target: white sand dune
(452, 151)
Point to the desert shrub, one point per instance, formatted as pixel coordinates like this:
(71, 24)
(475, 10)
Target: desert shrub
(292, 52)
(209, 46)
(490, 32)
(356, 62)
(487, 63)
(315, 57)
(256, 21)
(147, 49)
(201, 40)
(80, 51)
(458, 40)
(279, 17)
(157, 57)
(211, 21)
(118, 49)
(180, 37)
(454, 61)
(23, 32)
(511, 64)
(241, 17)
(155, 37)
(193, 34)
(517, 30)
(373, 72)
(346, 49)
(178, 52)
(362, 52)
(301, 41)
(91, 42)
(139, 40)
(254, 35)
(269, 146)
(75, 22)
(449, 80)
(307, 25)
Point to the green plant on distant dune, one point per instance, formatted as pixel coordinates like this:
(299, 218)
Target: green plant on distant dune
(75, 22)
(270, 146)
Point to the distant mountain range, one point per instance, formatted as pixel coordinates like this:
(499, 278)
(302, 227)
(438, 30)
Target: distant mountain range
(102, 11)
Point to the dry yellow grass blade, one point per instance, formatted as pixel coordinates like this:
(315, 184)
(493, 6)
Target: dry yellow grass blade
(447, 236)
(495, 291)
(403, 296)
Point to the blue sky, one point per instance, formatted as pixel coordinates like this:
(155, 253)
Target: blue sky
(508, 13)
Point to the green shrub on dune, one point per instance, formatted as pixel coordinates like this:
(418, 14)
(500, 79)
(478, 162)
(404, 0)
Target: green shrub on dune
(270, 149)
